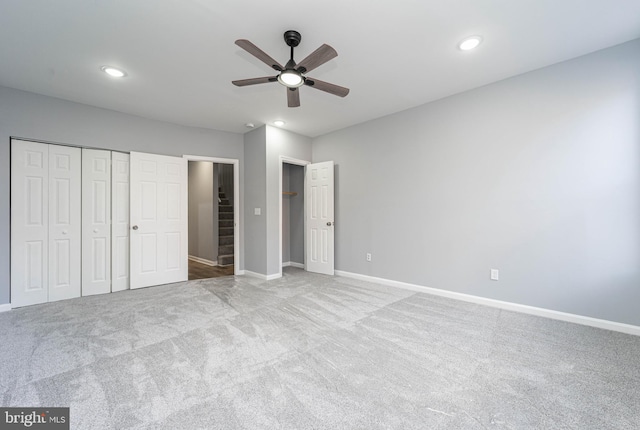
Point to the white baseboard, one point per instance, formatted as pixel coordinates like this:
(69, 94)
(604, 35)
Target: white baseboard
(261, 276)
(240, 272)
(254, 274)
(203, 260)
(5, 307)
(293, 264)
(531, 310)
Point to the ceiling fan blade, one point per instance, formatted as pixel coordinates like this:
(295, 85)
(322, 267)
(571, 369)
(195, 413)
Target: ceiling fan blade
(327, 87)
(253, 81)
(259, 54)
(293, 97)
(317, 58)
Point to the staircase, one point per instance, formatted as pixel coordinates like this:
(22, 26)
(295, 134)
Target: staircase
(225, 230)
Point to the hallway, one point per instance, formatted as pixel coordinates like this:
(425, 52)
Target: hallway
(204, 271)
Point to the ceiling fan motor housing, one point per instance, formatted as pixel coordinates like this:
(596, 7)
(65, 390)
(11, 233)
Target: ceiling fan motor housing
(292, 38)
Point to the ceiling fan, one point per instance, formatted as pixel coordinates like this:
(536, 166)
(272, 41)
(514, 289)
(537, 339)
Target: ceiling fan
(292, 75)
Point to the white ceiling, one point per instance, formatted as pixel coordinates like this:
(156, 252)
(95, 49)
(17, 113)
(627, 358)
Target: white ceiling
(181, 57)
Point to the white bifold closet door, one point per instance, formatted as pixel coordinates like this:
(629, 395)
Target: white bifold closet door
(45, 223)
(159, 224)
(65, 228)
(119, 221)
(96, 221)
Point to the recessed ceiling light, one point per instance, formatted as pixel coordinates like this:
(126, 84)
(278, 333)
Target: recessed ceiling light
(278, 123)
(470, 43)
(113, 71)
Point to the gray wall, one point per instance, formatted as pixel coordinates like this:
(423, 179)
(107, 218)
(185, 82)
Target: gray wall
(537, 175)
(296, 214)
(203, 210)
(255, 226)
(279, 143)
(263, 148)
(32, 116)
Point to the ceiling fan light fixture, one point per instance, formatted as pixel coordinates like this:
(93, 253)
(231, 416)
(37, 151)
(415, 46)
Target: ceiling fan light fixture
(113, 71)
(279, 123)
(470, 43)
(291, 79)
(292, 74)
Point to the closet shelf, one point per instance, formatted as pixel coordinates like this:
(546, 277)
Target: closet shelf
(289, 193)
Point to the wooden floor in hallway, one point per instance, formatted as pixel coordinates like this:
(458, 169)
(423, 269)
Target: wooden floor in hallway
(204, 271)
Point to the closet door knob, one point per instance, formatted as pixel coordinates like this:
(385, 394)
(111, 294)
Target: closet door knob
(329, 223)
(65, 232)
(95, 230)
(135, 227)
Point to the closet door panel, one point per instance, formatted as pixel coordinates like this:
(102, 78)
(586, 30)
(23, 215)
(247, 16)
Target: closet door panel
(96, 221)
(64, 222)
(120, 221)
(29, 225)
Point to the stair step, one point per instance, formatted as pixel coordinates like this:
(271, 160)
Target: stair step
(225, 208)
(224, 201)
(225, 231)
(225, 223)
(225, 240)
(225, 215)
(225, 260)
(225, 250)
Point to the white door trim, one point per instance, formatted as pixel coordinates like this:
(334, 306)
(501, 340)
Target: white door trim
(236, 202)
(289, 160)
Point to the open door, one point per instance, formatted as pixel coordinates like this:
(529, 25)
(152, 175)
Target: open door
(319, 217)
(159, 223)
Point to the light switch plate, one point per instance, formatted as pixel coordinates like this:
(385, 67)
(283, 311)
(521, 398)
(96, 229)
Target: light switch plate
(257, 211)
(495, 274)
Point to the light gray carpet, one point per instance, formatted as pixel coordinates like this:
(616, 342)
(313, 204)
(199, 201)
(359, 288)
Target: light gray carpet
(312, 352)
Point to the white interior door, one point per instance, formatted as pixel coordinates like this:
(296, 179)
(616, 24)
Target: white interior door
(65, 233)
(29, 223)
(96, 221)
(119, 221)
(319, 217)
(159, 224)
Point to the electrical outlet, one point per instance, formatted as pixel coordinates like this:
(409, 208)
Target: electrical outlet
(495, 274)
(368, 257)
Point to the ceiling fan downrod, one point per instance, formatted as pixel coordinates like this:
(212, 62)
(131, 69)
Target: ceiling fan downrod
(292, 38)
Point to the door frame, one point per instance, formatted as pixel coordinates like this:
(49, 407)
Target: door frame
(236, 202)
(288, 160)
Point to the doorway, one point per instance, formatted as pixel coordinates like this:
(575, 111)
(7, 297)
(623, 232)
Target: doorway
(292, 215)
(213, 217)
